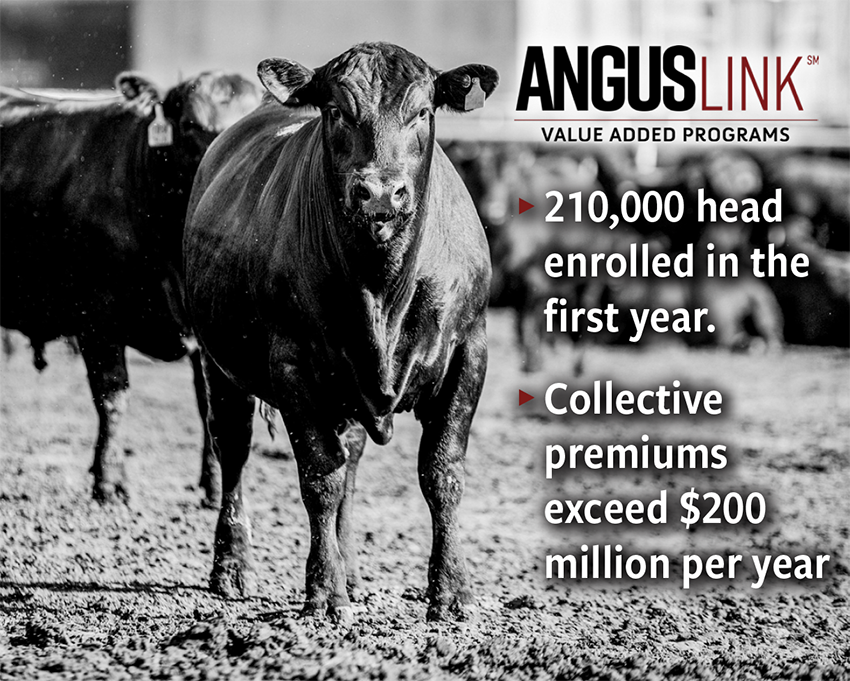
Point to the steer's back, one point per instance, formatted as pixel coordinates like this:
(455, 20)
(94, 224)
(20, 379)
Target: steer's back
(81, 246)
(45, 146)
(47, 192)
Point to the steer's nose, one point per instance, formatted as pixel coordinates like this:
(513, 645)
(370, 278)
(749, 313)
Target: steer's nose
(375, 197)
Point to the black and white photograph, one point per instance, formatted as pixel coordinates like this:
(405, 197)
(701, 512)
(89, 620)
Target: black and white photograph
(425, 339)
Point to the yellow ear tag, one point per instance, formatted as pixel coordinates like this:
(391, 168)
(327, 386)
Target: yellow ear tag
(160, 133)
(475, 97)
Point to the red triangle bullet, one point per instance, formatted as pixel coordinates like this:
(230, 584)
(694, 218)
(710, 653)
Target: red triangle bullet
(524, 397)
(524, 206)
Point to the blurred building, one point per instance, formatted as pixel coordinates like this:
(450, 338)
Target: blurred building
(83, 43)
(235, 33)
(74, 45)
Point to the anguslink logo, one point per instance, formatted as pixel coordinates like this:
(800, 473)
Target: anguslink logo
(609, 78)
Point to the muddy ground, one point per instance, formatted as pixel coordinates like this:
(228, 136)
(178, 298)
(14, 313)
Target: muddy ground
(92, 592)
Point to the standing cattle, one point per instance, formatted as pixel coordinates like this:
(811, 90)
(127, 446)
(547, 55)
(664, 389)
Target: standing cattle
(741, 308)
(524, 241)
(817, 188)
(93, 196)
(816, 308)
(490, 171)
(337, 270)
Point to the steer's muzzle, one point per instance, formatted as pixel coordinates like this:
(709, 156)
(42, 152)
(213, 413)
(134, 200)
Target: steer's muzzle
(382, 205)
(374, 197)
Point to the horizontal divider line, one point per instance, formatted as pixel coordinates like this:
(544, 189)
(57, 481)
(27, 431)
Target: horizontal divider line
(671, 120)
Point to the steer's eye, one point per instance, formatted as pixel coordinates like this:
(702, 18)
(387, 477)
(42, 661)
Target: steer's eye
(334, 113)
(424, 113)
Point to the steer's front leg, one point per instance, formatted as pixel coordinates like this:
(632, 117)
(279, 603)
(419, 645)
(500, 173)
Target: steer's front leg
(321, 457)
(445, 431)
(321, 453)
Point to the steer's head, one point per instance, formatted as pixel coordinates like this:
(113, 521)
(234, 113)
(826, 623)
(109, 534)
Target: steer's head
(378, 102)
(197, 109)
(204, 106)
(193, 113)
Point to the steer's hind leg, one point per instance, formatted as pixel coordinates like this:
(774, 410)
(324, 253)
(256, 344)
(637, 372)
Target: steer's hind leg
(107, 372)
(231, 411)
(354, 439)
(446, 420)
(210, 471)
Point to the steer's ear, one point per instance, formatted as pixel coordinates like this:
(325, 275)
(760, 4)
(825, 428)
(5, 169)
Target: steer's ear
(133, 86)
(286, 80)
(466, 87)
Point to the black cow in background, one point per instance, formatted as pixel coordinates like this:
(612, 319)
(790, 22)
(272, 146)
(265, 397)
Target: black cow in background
(816, 222)
(530, 239)
(817, 188)
(497, 173)
(491, 172)
(816, 308)
(743, 309)
(500, 173)
(93, 197)
(728, 173)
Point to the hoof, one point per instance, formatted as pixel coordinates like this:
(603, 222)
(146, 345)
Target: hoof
(231, 580)
(211, 500)
(341, 615)
(458, 608)
(110, 493)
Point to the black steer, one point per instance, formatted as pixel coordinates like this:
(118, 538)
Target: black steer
(93, 210)
(336, 269)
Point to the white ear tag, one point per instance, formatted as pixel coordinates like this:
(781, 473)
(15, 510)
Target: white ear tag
(475, 97)
(160, 133)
